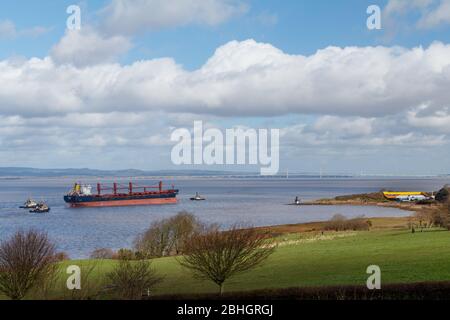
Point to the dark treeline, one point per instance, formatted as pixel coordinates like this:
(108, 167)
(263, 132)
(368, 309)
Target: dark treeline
(409, 291)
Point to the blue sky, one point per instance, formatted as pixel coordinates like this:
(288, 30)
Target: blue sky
(296, 27)
(347, 99)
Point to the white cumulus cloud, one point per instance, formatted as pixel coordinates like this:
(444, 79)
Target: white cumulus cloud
(87, 47)
(427, 13)
(136, 16)
(241, 79)
(425, 118)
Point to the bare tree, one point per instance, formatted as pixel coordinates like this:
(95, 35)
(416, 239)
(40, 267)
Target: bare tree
(102, 254)
(217, 256)
(131, 279)
(425, 218)
(155, 242)
(26, 260)
(446, 214)
(183, 225)
(167, 237)
(437, 217)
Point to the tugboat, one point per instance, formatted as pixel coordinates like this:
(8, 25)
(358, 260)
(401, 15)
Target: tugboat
(29, 204)
(197, 198)
(41, 208)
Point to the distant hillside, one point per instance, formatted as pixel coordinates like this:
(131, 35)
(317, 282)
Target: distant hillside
(17, 172)
(33, 172)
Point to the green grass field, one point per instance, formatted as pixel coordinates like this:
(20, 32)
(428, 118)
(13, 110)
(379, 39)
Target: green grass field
(403, 257)
(303, 260)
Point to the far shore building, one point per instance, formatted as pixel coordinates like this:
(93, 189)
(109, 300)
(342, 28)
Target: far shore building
(406, 196)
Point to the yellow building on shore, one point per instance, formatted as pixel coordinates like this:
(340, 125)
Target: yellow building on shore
(392, 195)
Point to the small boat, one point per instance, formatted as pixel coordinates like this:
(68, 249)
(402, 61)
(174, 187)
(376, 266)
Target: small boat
(29, 204)
(41, 208)
(297, 202)
(197, 198)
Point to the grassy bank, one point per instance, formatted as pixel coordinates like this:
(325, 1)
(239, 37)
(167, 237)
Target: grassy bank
(372, 199)
(306, 257)
(332, 259)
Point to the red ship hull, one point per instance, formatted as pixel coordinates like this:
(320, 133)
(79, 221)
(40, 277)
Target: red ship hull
(81, 196)
(124, 203)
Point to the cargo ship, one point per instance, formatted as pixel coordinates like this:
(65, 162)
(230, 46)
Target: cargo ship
(119, 196)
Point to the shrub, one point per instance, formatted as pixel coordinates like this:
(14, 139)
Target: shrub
(443, 194)
(341, 223)
(61, 256)
(27, 260)
(131, 280)
(102, 254)
(126, 254)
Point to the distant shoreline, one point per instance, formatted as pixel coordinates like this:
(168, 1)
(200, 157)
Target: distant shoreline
(24, 172)
(217, 177)
(375, 199)
(403, 206)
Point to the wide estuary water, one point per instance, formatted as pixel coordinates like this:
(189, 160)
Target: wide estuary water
(257, 202)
